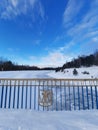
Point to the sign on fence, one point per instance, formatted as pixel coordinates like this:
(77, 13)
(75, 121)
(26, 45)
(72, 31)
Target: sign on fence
(45, 98)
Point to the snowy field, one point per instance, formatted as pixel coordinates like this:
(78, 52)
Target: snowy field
(67, 73)
(38, 120)
(30, 120)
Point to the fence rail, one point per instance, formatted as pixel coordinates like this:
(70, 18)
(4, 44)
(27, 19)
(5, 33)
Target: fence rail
(49, 94)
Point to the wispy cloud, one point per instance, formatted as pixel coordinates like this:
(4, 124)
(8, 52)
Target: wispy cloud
(10, 9)
(84, 30)
(87, 23)
(36, 42)
(66, 47)
(13, 49)
(90, 47)
(83, 33)
(71, 11)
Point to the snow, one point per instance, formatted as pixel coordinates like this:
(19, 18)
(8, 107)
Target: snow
(34, 120)
(17, 119)
(24, 74)
(68, 73)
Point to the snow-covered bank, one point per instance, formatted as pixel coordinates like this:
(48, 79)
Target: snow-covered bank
(68, 73)
(33, 120)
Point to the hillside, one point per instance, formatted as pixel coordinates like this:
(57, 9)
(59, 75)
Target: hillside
(83, 72)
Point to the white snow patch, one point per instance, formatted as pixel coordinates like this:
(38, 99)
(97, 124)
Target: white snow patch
(34, 120)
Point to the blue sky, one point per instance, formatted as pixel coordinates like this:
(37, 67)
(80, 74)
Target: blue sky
(47, 32)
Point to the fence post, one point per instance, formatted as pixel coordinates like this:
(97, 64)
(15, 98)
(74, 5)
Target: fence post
(2, 94)
(9, 95)
(14, 94)
(6, 94)
(87, 97)
(35, 96)
(83, 98)
(60, 95)
(74, 96)
(22, 93)
(78, 98)
(96, 97)
(69, 96)
(26, 93)
(30, 93)
(65, 94)
(92, 98)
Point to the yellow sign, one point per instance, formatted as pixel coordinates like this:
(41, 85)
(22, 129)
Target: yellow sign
(45, 98)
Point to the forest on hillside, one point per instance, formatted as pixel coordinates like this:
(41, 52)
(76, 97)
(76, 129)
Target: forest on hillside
(7, 65)
(83, 60)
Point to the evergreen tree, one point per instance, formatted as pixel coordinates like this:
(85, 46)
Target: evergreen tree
(75, 72)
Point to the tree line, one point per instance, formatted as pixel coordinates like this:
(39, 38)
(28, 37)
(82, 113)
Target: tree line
(7, 65)
(83, 60)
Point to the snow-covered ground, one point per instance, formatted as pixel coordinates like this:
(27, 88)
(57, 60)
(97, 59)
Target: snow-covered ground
(25, 74)
(37, 120)
(67, 73)
(33, 120)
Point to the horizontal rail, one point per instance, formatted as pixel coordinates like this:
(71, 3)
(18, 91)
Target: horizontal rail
(48, 82)
(49, 94)
(47, 79)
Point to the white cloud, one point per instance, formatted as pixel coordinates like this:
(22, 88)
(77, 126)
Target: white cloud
(72, 9)
(13, 8)
(14, 2)
(10, 49)
(32, 58)
(67, 46)
(52, 59)
(83, 31)
(90, 46)
(89, 19)
(13, 49)
(55, 59)
(95, 39)
(36, 42)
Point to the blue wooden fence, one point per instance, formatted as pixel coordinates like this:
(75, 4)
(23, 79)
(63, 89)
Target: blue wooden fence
(66, 94)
